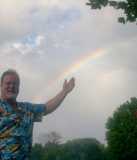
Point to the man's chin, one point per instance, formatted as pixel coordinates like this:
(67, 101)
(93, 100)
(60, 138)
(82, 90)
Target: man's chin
(11, 98)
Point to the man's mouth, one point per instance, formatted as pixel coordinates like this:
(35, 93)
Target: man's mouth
(11, 92)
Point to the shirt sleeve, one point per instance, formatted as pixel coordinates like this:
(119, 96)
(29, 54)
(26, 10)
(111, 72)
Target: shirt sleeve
(38, 112)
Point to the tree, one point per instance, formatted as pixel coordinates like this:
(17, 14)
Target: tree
(129, 8)
(77, 149)
(54, 137)
(52, 147)
(83, 149)
(38, 152)
(122, 132)
(49, 149)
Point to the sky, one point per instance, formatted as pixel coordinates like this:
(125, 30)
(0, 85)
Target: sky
(50, 41)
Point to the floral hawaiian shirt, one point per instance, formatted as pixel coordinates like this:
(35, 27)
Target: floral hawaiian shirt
(16, 129)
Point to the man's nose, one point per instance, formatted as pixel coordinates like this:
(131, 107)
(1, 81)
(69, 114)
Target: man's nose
(11, 85)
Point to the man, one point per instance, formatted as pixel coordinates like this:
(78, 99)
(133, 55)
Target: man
(16, 118)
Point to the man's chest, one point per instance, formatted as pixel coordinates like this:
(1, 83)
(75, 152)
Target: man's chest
(15, 122)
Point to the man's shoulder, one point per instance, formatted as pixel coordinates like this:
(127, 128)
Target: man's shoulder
(2, 102)
(24, 104)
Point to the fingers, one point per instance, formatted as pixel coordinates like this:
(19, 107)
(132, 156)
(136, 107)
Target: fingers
(65, 82)
(71, 82)
(69, 85)
(72, 79)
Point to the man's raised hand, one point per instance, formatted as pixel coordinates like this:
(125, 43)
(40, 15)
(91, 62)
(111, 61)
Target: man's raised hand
(69, 85)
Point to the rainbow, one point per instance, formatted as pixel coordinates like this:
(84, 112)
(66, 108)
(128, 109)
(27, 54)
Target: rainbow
(75, 67)
(82, 62)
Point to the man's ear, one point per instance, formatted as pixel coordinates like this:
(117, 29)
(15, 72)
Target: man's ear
(0, 85)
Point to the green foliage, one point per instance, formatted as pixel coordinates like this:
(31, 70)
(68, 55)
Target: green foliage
(83, 149)
(38, 152)
(129, 8)
(79, 149)
(122, 132)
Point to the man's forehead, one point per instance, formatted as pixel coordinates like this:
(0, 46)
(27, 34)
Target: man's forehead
(9, 77)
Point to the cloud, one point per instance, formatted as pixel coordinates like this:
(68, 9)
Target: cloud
(43, 39)
(27, 17)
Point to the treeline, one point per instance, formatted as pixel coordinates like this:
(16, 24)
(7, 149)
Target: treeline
(121, 136)
(78, 149)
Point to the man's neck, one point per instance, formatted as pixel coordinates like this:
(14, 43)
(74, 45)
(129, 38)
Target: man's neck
(12, 102)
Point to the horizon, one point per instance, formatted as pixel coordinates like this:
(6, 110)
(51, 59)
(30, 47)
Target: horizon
(47, 42)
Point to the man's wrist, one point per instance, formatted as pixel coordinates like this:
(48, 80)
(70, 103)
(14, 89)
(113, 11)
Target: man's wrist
(64, 92)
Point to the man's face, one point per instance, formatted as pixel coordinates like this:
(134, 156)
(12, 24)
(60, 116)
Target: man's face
(9, 87)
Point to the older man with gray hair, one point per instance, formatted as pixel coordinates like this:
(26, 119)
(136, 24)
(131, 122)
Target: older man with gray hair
(17, 118)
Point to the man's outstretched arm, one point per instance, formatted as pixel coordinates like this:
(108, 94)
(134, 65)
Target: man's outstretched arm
(53, 103)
